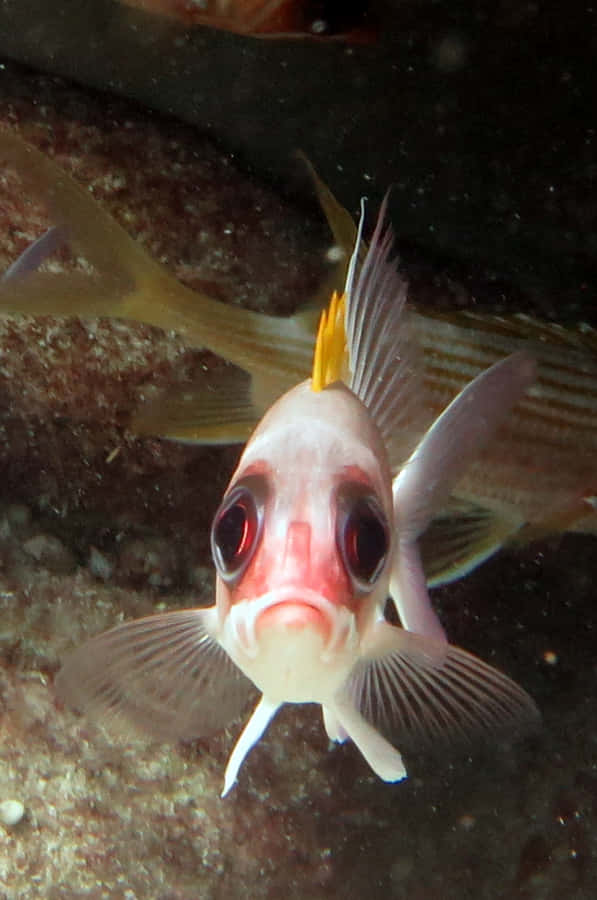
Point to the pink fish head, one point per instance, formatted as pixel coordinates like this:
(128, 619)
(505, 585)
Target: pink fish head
(302, 540)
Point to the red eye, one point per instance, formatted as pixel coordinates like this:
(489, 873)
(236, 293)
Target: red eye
(362, 535)
(235, 531)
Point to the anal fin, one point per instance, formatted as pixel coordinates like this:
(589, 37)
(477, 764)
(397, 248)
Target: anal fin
(203, 413)
(462, 536)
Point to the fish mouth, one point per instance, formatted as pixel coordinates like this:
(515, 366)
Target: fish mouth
(294, 614)
(291, 608)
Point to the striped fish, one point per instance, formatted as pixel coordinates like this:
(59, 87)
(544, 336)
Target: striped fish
(539, 475)
(536, 478)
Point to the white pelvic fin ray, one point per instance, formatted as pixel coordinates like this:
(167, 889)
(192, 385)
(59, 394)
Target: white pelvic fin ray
(417, 690)
(165, 674)
(383, 758)
(408, 589)
(462, 430)
(249, 736)
(332, 726)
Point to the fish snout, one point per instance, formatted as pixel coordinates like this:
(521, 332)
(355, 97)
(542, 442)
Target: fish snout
(294, 613)
(290, 614)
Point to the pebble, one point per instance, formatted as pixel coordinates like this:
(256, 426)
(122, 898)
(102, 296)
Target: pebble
(148, 561)
(11, 812)
(50, 553)
(18, 515)
(100, 565)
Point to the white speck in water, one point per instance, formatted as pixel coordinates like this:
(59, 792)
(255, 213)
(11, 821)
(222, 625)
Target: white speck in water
(450, 53)
(319, 26)
(335, 253)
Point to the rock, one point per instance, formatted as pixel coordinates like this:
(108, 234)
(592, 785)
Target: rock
(50, 553)
(11, 812)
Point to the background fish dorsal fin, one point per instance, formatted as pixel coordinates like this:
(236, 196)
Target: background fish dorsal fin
(340, 221)
(521, 326)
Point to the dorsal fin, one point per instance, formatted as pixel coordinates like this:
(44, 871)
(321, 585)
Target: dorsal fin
(330, 357)
(385, 368)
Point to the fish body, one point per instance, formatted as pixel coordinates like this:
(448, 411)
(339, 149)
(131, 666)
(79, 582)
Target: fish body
(312, 536)
(539, 476)
(323, 19)
(536, 477)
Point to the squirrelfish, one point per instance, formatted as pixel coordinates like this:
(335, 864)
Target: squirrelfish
(311, 538)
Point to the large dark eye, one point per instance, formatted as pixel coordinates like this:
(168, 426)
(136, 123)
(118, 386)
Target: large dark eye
(236, 529)
(362, 535)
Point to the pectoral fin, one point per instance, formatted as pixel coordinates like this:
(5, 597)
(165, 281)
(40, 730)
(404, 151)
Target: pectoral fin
(426, 480)
(415, 690)
(165, 674)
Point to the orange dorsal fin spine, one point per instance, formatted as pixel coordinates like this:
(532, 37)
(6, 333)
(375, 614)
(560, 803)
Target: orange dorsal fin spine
(329, 360)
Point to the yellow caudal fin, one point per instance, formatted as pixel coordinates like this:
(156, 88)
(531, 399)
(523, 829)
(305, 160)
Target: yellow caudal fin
(126, 283)
(92, 233)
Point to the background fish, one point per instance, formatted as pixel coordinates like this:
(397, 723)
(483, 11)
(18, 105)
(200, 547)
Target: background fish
(536, 477)
(338, 19)
(310, 539)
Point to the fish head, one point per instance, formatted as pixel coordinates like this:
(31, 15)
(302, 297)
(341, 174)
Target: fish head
(302, 541)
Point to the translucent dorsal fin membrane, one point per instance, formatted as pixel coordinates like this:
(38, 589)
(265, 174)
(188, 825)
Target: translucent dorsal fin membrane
(385, 366)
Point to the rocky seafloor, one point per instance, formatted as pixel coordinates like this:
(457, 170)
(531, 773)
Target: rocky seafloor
(97, 525)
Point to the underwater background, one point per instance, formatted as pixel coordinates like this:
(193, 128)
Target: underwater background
(482, 116)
